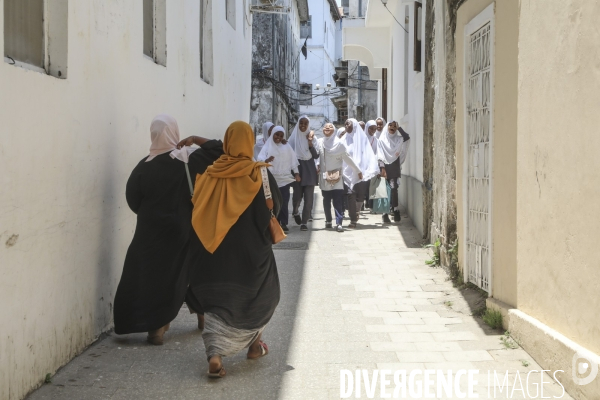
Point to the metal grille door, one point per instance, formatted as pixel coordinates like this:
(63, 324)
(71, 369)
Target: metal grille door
(478, 150)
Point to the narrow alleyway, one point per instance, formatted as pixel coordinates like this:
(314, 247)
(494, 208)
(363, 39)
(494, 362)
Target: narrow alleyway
(361, 299)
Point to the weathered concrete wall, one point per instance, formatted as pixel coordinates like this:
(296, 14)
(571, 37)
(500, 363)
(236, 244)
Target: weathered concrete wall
(362, 93)
(439, 163)
(67, 148)
(275, 45)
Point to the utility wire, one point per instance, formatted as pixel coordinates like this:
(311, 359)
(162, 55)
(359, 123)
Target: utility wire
(392, 14)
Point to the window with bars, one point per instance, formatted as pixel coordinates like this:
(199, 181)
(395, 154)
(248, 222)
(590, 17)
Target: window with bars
(155, 30)
(306, 28)
(305, 94)
(36, 35)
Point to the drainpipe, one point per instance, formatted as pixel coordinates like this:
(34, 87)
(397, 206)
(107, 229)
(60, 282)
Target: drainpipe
(274, 68)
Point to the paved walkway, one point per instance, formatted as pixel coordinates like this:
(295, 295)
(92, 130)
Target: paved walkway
(361, 299)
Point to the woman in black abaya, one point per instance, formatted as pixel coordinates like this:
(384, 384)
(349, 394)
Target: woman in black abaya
(155, 280)
(234, 277)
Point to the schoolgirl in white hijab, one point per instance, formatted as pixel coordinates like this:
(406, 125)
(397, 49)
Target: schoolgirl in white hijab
(391, 152)
(392, 146)
(372, 136)
(282, 159)
(381, 124)
(302, 140)
(357, 145)
(333, 155)
(260, 142)
(299, 142)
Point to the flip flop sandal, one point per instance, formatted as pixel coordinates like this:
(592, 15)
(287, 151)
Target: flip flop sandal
(216, 375)
(264, 349)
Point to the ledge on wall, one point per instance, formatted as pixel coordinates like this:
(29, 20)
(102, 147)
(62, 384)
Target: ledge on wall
(550, 349)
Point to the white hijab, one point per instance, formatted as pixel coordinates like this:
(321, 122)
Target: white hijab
(360, 150)
(331, 146)
(392, 147)
(284, 158)
(372, 139)
(378, 133)
(299, 142)
(260, 142)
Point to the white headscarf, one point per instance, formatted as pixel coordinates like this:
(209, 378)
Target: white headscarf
(299, 142)
(359, 149)
(378, 133)
(260, 141)
(284, 158)
(164, 133)
(392, 147)
(372, 139)
(332, 146)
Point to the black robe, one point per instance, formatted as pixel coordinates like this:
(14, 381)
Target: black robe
(155, 279)
(239, 281)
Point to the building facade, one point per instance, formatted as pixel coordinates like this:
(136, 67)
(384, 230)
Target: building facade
(318, 69)
(77, 99)
(276, 53)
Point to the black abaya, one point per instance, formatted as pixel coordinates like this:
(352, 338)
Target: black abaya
(239, 281)
(155, 279)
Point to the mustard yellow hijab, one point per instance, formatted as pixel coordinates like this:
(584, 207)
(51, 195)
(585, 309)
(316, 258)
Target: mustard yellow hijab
(227, 187)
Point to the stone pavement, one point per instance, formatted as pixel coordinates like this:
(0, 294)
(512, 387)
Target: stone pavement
(361, 299)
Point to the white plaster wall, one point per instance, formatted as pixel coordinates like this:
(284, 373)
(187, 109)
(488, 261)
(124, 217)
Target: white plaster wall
(411, 190)
(67, 148)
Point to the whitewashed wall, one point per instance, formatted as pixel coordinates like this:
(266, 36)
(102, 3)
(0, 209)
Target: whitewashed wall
(411, 188)
(67, 148)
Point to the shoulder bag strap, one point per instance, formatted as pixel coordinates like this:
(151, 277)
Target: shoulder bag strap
(189, 179)
(267, 188)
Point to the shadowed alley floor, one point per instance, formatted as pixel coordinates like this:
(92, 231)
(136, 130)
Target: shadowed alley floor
(361, 299)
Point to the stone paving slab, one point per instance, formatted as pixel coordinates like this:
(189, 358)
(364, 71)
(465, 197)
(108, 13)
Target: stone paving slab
(357, 300)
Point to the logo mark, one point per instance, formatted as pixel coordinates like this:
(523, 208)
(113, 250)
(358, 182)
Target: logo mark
(584, 369)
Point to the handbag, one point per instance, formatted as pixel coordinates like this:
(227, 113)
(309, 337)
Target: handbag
(382, 206)
(378, 189)
(331, 177)
(277, 234)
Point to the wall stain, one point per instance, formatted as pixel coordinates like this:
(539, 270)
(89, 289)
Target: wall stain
(12, 240)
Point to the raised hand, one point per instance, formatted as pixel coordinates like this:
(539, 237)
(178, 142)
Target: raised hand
(189, 141)
(268, 160)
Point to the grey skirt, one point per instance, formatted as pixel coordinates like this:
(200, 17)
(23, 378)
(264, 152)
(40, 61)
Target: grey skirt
(224, 340)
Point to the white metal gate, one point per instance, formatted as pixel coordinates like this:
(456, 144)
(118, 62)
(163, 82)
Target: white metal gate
(478, 139)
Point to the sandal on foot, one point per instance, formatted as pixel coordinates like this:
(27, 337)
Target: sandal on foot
(219, 374)
(264, 350)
